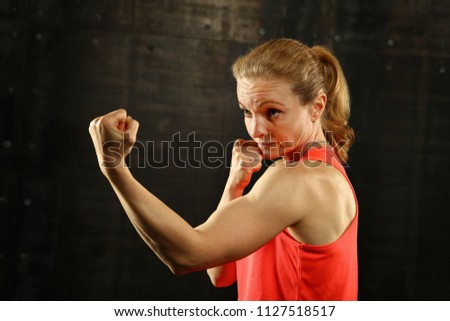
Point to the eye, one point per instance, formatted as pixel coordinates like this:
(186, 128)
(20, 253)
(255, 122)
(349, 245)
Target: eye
(273, 112)
(246, 112)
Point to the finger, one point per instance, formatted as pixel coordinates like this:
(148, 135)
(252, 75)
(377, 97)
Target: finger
(253, 165)
(132, 127)
(250, 148)
(93, 123)
(250, 159)
(116, 118)
(238, 142)
(249, 144)
(121, 126)
(259, 165)
(120, 113)
(242, 144)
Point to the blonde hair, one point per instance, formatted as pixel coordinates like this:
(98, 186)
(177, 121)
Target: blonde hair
(309, 70)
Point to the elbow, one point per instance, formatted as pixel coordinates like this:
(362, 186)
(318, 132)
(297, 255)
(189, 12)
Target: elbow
(216, 282)
(182, 260)
(179, 263)
(181, 268)
(220, 282)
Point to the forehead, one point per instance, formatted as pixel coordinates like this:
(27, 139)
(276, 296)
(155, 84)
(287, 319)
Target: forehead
(251, 86)
(252, 90)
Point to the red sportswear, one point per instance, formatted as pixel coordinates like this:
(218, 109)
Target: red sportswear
(285, 269)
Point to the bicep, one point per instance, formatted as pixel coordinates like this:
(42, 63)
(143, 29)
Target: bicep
(279, 199)
(240, 227)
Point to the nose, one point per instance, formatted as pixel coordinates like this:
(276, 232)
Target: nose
(257, 128)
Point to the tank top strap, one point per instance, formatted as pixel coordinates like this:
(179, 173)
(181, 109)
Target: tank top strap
(324, 153)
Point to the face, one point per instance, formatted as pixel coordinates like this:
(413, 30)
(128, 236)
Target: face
(275, 118)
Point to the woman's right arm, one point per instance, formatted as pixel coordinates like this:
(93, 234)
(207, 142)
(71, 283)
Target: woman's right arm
(225, 275)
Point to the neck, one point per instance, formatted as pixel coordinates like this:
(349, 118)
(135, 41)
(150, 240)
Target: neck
(299, 152)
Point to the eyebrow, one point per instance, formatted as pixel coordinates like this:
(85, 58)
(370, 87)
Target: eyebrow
(264, 102)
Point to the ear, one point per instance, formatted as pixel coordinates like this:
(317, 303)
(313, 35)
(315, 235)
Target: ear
(318, 106)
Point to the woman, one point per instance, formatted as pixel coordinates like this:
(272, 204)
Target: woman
(293, 236)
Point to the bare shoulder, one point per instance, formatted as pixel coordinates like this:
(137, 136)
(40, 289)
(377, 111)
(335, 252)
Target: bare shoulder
(315, 195)
(300, 186)
(299, 178)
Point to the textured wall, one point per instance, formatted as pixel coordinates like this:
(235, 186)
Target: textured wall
(63, 234)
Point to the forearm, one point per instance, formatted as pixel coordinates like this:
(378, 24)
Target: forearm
(230, 192)
(225, 275)
(165, 232)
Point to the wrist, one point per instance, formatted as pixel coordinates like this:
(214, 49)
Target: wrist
(116, 171)
(234, 189)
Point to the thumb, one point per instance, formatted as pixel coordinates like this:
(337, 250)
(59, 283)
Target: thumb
(121, 126)
(240, 142)
(117, 118)
(131, 127)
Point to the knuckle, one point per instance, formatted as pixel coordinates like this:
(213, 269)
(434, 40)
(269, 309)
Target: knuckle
(99, 120)
(95, 122)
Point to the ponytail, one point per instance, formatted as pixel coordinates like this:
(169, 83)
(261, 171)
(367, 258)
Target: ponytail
(337, 111)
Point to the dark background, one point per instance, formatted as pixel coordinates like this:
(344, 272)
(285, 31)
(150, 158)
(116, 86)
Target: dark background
(63, 234)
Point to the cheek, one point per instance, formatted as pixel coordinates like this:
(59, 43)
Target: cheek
(298, 132)
(247, 125)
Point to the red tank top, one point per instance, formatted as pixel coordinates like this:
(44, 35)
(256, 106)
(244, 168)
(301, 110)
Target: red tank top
(285, 269)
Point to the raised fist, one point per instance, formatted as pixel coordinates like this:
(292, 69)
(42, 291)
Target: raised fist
(113, 135)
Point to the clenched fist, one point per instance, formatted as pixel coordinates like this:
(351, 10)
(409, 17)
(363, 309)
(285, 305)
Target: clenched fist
(246, 160)
(113, 135)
